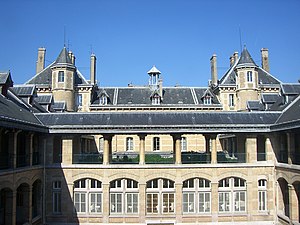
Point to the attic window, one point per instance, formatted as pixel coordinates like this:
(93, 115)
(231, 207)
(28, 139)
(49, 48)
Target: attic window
(156, 100)
(207, 100)
(103, 100)
(61, 76)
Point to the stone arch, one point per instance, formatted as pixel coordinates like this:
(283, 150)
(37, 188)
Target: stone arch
(23, 204)
(6, 210)
(283, 197)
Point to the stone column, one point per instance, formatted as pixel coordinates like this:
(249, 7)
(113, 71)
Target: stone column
(14, 208)
(214, 159)
(106, 150)
(290, 147)
(269, 150)
(105, 213)
(142, 203)
(178, 202)
(29, 142)
(214, 202)
(30, 204)
(293, 201)
(251, 149)
(13, 135)
(142, 148)
(67, 150)
(177, 148)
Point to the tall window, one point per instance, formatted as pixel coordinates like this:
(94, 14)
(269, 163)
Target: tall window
(156, 100)
(207, 100)
(160, 195)
(129, 144)
(124, 196)
(196, 196)
(101, 144)
(79, 100)
(61, 76)
(231, 100)
(232, 195)
(262, 195)
(249, 76)
(88, 196)
(56, 197)
(156, 144)
(183, 144)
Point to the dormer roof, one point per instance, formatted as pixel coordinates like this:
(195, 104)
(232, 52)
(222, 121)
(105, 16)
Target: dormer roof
(63, 57)
(245, 59)
(154, 70)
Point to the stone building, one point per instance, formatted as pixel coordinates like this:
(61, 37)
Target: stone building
(74, 152)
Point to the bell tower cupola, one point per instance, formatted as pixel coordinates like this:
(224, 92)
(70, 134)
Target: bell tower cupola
(63, 71)
(154, 78)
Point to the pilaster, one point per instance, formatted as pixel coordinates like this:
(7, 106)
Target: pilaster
(67, 150)
(251, 149)
(290, 147)
(142, 149)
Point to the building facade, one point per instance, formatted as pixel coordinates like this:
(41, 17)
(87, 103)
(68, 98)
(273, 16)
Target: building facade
(73, 152)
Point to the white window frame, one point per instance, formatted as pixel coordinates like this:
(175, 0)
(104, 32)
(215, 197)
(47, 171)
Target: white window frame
(156, 144)
(231, 100)
(61, 76)
(129, 144)
(101, 144)
(249, 76)
(163, 190)
(156, 100)
(103, 100)
(232, 194)
(56, 197)
(207, 100)
(183, 144)
(84, 189)
(262, 195)
(79, 100)
(120, 190)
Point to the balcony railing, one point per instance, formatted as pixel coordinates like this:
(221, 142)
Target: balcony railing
(125, 158)
(195, 157)
(5, 161)
(22, 160)
(261, 156)
(225, 157)
(283, 157)
(159, 158)
(88, 158)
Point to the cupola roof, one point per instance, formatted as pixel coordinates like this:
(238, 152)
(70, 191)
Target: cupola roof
(154, 70)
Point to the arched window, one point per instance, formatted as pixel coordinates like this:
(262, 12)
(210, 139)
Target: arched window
(262, 195)
(88, 196)
(129, 144)
(196, 196)
(124, 195)
(207, 100)
(232, 195)
(103, 100)
(160, 196)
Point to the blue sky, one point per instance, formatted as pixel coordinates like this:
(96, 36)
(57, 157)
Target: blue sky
(129, 36)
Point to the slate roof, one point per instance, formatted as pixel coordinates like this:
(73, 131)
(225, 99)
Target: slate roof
(142, 96)
(269, 98)
(4, 76)
(14, 113)
(59, 106)
(160, 121)
(245, 59)
(290, 89)
(44, 78)
(44, 99)
(254, 105)
(24, 90)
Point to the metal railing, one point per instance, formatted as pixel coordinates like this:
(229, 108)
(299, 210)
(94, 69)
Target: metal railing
(88, 158)
(195, 157)
(159, 158)
(125, 158)
(261, 156)
(225, 157)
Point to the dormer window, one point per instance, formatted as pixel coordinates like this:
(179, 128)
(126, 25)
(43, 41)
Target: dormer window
(156, 100)
(61, 76)
(249, 76)
(103, 100)
(207, 100)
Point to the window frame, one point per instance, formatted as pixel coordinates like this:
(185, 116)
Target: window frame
(61, 76)
(249, 76)
(129, 144)
(262, 195)
(56, 197)
(156, 144)
(231, 100)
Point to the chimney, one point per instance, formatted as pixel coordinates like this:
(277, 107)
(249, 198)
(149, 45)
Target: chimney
(231, 59)
(160, 81)
(72, 57)
(235, 56)
(265, 59)
(213, 68)
(40, 63)
(93, 69)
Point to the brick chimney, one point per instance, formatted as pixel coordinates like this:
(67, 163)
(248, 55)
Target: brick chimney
(265, 59)
(93, 69)
(40, 63)
(213, 69)
(72, 57)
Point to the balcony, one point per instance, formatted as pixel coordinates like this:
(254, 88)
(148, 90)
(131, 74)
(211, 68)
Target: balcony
(261, 156)
(225, 157)
(88, 158)
(159, 158)
(125, 158)
(195, 157)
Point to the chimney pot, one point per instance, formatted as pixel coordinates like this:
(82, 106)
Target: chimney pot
(265, 59)
(213, 67)
(93, 69)
(40, 63)
(235, 56)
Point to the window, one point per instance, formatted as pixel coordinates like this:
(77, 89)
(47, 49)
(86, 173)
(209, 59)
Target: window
(262, 195)
(183, 144)
(156, 144)
(196, 196)
(61, 76)
(103, 100)
(88, 196)
(129, 144)
(156, 100)
(160, 196)
(207, 100)
(101, 144)
(249, 76)
(56, 197)
(79, 100)
(124, 196)
(232, 195)
(231, 100)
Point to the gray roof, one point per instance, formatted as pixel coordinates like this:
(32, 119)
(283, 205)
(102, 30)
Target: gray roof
(15, 114)
(269, 98)
(59, 106)
(142, 96)
(44, 99)
(290, 89)
(4, 76)
(160, 121)
(246, 59)
(24, 90)
(63, 57)
(254, 105)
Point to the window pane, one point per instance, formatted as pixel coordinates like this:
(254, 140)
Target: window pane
(188, 202)
(152, 203)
